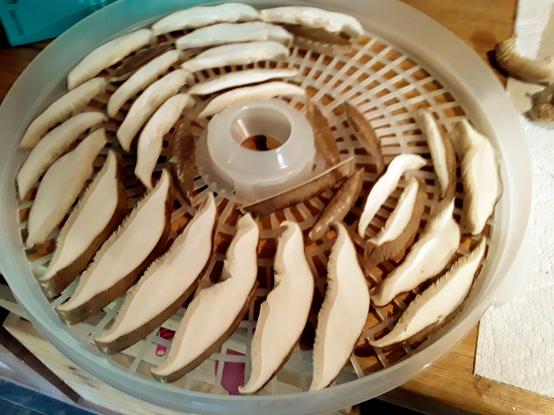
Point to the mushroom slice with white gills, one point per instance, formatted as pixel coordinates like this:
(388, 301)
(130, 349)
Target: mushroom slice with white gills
(223, 33)
(52, 145)
(97, 214)
(148, 102)
(123, 257)
(365, 134)
(60, 187)
(386, 184)
(343, 313)
(200, 16)
(314, 18)
(241, 78)
(151, 138)
(284, 313)
(61, 109)
(245, 95)
(400, 229)
(141, 79)
(216, 311)
(106, 55)
(165, 285)
(539, 71)
(236, 54)
(480, 177)
(442, 154)
(438, 301)
(426, 258)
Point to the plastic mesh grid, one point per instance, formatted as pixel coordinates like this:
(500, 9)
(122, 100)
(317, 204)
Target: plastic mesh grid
(389, 87)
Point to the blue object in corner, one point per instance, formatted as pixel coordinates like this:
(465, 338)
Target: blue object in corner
(27, 21)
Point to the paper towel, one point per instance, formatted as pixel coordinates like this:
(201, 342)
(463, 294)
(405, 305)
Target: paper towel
(516, 340)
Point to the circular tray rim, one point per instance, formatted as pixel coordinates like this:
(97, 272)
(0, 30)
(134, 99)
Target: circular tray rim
(487, 103)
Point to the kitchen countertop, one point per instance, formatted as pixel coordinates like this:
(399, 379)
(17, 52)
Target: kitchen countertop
(448, 386)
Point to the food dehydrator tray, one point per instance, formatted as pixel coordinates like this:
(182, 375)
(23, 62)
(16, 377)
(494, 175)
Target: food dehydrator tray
(407, 62)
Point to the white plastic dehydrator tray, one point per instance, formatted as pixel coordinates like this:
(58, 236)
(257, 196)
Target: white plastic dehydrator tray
(408, 62)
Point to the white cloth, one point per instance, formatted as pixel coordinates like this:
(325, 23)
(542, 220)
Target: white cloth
(516, 340)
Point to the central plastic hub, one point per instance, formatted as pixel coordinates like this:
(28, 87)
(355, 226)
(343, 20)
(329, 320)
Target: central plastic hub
(252, 170)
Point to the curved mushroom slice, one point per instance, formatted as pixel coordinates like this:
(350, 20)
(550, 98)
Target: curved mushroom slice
(106, 55)
(321, 36)
(151, 138)
(52, 145)
(340, 205)
(540, 71)
(97, 214)
(60, 187)
(166, 284)
(386, 185)
(138, 60)
(426, 258)
(304, 191)
(442, 154)
(61, 109)
(343, 313)
(148, 102)
(479, 177)
(236, 54)
(314, 18)
(400, 229)
(247, 94)
(223, 33)
(123, 257)
(216, 311)
(182, 157)
(324, 139)
(438, 301)
(366, 134)
(141, 79)
(284, 313)
(235, 79)
(204, 16)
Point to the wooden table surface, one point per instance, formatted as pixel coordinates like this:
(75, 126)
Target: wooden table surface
(448, 386)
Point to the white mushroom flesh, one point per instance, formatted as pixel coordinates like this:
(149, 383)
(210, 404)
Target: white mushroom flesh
(150, 141)
(148, 102)
(314, 18)
(343, 313)
(236, 79)
(61, 109)
(236, 54)
(126, 248)
(168, 277)
(480, 177)
(284, 313)
(223, 33)
(205, 15)
(400, 216)
(429, 255)
(141, 79)
(386, 185)
(437, 301)
(248, 94)
(91, 215)
(214, 310)
(52, 146)
(61, 186)
(106, 55)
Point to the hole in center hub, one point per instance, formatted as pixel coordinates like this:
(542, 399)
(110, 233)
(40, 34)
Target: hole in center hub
(260, 128)
(260, 142)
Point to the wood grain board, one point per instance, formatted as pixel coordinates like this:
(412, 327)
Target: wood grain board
(448, 386)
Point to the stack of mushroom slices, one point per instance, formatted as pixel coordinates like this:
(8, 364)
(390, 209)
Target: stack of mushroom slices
(114, 247)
